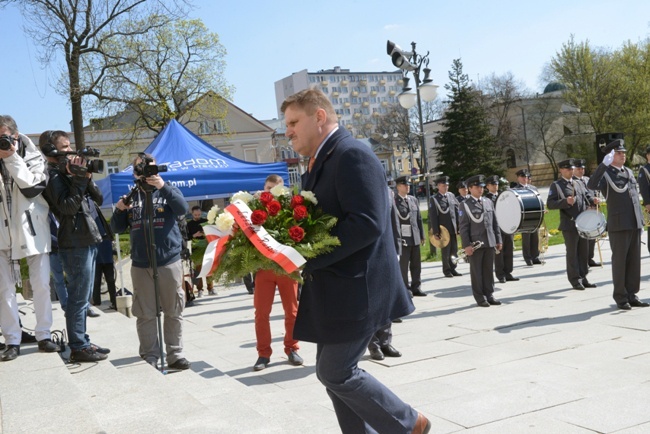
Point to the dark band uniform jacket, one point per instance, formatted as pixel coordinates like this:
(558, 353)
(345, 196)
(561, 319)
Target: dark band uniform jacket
(357, 288)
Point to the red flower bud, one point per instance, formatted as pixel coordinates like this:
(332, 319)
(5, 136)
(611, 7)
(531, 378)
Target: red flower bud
(266, 197)
(258, 217)
(300, 212)
(297, 200)
(296, 233)
(274, 207)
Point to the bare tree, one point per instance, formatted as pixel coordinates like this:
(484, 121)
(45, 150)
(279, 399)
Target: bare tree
(84, 28)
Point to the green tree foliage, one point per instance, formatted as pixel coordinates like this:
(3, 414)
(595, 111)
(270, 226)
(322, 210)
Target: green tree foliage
(466, 145)
(611, 86)
(162, 75)
(77, 30)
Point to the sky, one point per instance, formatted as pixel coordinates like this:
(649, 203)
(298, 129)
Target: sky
(268, 40)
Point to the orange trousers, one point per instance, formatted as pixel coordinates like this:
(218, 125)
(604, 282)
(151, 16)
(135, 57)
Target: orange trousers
(265, 283)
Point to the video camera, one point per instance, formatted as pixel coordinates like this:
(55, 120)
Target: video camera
(6, 141)
(92, 166)
(145, 169)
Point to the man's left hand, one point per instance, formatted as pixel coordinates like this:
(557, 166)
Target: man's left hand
(8, 153)
(156, 181)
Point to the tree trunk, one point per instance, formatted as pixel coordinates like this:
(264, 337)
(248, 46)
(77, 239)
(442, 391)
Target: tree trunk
(75, 99)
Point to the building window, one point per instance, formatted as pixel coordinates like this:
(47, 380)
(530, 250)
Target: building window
(250, 155)
(204, 127)
(220, 126)
(384, 164)
(112, 167)
(294, 176)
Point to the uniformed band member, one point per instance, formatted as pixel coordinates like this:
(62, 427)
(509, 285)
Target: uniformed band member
(624, 223)
(462, 191)
(443, 211)
(412, 233)
(529, 241)
(570, 197)
(644, 187)
(478, 223)
(579, 175)
(503, 262)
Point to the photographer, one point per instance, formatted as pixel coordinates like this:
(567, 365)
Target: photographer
(74, 199)
(168, 204)
(24, 234)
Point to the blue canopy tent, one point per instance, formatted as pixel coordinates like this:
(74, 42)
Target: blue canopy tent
(199, 170)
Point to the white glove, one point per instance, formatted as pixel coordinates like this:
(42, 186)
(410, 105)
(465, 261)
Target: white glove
(609, 158)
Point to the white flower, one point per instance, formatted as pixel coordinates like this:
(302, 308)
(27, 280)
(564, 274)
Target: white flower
(224, 221)
(244, 196)
(212, 214)
(308, 195)
(280, 190)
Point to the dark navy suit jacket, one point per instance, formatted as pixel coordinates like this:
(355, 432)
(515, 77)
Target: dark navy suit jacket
(357, 288)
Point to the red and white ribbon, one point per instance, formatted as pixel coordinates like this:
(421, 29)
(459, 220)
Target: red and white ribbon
(285, 256)
(217, 241)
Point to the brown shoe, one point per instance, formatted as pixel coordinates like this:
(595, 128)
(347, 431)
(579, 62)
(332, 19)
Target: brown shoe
(422, 425)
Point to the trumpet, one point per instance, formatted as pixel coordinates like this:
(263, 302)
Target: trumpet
(461, 255)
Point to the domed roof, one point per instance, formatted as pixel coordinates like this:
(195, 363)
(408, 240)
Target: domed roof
(554, 86)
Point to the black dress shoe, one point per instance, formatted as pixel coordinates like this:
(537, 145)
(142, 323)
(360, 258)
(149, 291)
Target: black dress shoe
(638, 303)
(502, 280)
(589, 284)
(493, 302)
(376, 354)
(262, 363)
(579, 287)
(86, 355)
(624, 306)
(397, 320)
(449, 275)
(10, 353)
(418, 293)
(295, 359)
(181, 364)
(47, 346)
(99, 349)
(536, 261)
(455, 273)
(390, 351)
(483, 303)
(529, 263)
(2, 346)
(91, 313)
(593, 263)
(511, 278)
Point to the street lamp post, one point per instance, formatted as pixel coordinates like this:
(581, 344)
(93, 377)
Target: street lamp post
(424, 90)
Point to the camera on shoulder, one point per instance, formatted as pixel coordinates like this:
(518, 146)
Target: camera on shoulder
(92, 166)
(145, 169)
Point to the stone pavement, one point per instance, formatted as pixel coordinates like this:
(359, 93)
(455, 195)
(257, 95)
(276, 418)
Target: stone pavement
(549, 360)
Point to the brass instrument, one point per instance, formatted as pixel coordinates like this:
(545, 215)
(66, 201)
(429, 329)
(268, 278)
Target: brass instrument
(646, 217)
(461, 255)
(543, 235)
(443, 240)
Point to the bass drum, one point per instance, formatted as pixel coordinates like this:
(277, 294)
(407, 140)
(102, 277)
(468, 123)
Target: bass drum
(519, 210)
(591, 224)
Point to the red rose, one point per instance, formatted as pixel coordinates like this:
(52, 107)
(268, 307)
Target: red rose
(300, 212)
(297, 200)
(266, 197)
(274, 207)
(296, 233)
(258, 217)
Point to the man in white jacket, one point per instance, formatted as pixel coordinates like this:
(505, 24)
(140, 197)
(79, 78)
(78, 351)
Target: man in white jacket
(24, 233)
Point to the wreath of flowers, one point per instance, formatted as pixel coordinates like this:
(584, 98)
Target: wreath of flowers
(291, 218)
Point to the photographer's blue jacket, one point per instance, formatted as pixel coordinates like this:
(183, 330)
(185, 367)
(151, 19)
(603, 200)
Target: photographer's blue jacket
(168, 204)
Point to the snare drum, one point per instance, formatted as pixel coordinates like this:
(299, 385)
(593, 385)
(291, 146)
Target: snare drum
(591, 224)
(519, 210)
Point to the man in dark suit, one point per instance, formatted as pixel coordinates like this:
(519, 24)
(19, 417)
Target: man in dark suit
(529, 241)
(644, 187)
(570, 197)
(624, 223)
(503, 262)
(443, 211)
(411, 233)
(579, 175)
(357, 288)
(478, 223)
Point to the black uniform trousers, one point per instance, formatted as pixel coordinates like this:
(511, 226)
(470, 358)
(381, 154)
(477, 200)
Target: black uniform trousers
(410, 260)
(382, 338)
(530, 246)
(577, 257)
(481, 264)
(626, 264)
(448, 251)
(503, 262)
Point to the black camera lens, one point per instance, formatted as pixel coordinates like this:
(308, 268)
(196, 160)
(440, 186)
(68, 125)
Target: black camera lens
(6, 141)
